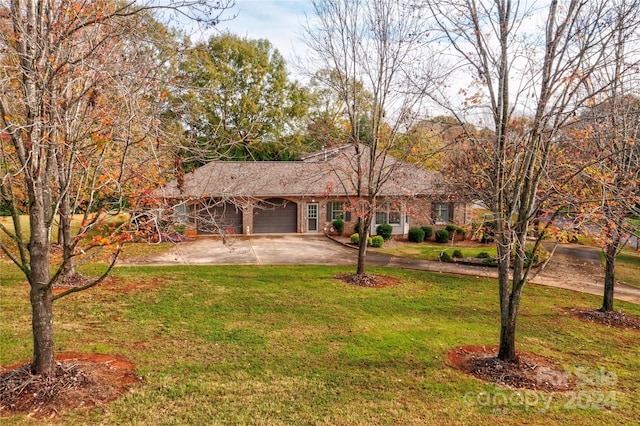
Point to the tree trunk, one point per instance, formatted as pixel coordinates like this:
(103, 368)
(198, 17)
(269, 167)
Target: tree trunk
(60, 238)
(362, 250)
(42, 328)
(365, 225)
(609, 277)
(64, 229)
(41, 296)
(509, 300)
(507, 351)
(508, 315)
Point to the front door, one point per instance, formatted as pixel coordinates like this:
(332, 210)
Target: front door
(312, 217)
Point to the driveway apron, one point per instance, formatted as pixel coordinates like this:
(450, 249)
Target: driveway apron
(567, 270)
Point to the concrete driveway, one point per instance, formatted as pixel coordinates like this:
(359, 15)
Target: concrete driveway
(308, 249)
(255, 250)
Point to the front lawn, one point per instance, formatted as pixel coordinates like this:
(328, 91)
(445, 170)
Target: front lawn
(427, 251)
(130, 249)
(627, 266)
(227, 345)
(76, 221)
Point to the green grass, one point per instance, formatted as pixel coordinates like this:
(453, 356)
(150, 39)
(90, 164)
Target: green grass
(75, 224)
(627, 266)
(292, 345)
(130, 249)
(427, 251)
(627, 262)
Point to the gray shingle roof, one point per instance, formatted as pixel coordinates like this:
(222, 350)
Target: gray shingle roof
(312, 176)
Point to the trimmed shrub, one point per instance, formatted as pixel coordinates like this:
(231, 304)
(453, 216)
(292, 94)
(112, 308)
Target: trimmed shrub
(444, 256)
(370, 241)
(416, 235)
(355, 239)
(482, 255)
(490, 261)
(451, 228)
(338, 225)
(457, 253)
(377, 241)
(460, 231)
(442, 236)
(428, 232)
(384, 231)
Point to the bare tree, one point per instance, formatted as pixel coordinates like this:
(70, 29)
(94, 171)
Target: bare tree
(513, 71)
(609, 132)
(78, 88)
(368, 45)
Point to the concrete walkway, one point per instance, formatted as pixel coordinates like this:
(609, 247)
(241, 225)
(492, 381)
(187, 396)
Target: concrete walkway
(573, 267)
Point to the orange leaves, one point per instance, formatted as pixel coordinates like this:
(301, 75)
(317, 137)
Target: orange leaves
(99, 240)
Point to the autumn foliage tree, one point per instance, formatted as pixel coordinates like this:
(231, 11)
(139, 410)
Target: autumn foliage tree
(514, 71)
(610, 186)
(608, 141)
(78, 81)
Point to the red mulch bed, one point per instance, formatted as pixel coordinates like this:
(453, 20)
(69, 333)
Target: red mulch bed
(531, 371)
(81, 381)
(610, 319)
(367, 280)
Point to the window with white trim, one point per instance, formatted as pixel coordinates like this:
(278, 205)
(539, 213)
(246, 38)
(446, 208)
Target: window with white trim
(180, 213)
(441, 212)
(337, 210)
(387, 214)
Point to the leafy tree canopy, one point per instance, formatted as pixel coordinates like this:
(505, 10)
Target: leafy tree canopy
(239, 103)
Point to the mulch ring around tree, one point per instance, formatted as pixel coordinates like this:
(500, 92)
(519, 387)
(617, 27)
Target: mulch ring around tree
(367, 280)
(73, 280)
(110, 284)
(610, 319)
(81, 381)
(530, 371)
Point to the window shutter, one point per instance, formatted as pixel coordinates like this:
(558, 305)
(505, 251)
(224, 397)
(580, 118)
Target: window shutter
(329, 209)
(451, 212)
(347, 216)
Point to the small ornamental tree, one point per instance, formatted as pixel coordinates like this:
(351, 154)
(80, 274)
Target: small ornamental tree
(368, 47)
(510, 165)
(79, 89)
